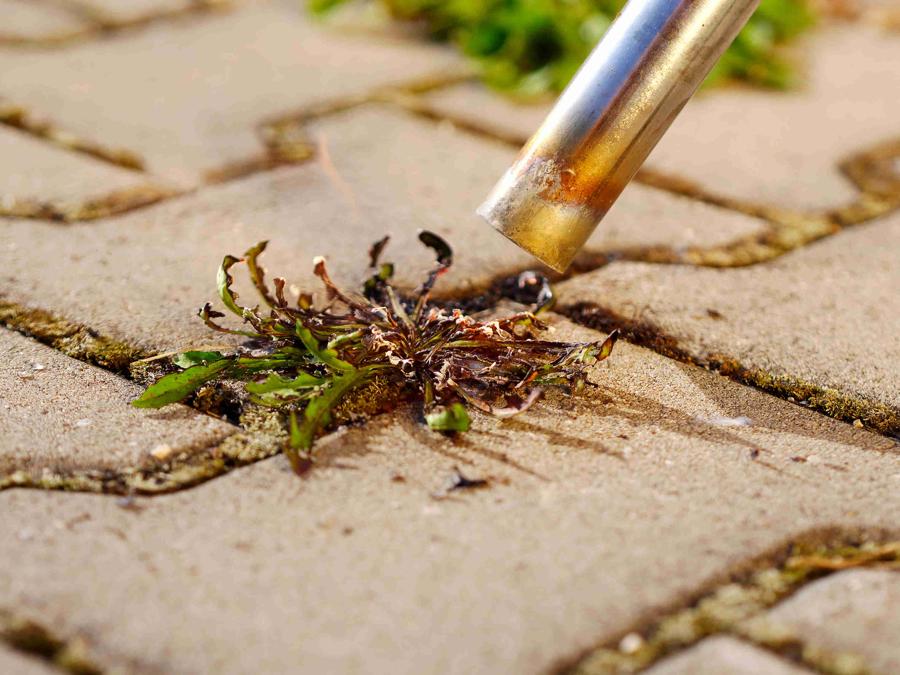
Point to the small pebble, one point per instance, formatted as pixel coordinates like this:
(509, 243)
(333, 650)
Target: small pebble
(162, 452)
(631, 643)
(722, 421)
(83, 423)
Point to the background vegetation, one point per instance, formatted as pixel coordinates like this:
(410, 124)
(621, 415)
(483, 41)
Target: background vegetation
(530, 47)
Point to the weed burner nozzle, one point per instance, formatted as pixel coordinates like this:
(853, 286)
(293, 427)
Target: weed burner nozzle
(609, 118)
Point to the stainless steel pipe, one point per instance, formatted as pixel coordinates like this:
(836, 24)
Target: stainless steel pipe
(618, 106)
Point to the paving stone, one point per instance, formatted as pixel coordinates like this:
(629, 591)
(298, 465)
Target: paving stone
(472, 103)
(28, 20)
(33, 171)
(187, 96)
(825, 314)
(783, 148)
(61, 415)
(603, 511)
(763, 147)
(721, 654)
(17, 663)
(130, 10)
(154, 267)
(855, 612)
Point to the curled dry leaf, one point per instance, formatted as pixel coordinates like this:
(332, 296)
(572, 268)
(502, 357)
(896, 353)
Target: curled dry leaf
(313, 357)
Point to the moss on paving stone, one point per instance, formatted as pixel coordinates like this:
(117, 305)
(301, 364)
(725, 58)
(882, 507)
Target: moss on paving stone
(72, 339)
(874, 415)
(736, 608)
(265, 430)
(70, 655)
(108, 205)
(19, 118)
(871, 414)
(264, 435)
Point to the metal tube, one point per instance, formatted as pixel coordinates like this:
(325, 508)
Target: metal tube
(618, 106)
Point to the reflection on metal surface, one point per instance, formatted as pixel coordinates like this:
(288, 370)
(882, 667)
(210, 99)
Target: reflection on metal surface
(607, 121)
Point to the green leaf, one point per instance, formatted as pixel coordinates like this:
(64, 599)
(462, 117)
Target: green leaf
(190, 359)
(317, 414)
(251, 365)
(276, 383)
(530, 47)
(326, 356)
(449, 418)
(258, 274)
(223, 283)
(178, 386)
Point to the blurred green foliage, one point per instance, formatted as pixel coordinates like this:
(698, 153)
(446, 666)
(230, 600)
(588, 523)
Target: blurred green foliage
(530, 47)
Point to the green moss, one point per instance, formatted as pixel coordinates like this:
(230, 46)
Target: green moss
(874, 415)
(75, 340)
(738, 608)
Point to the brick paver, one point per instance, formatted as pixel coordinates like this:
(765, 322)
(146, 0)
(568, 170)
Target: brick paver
(721, 654)
(37, 178)
(131, 10)
(26, 20)
(823, 315)
(187, 96)
(59, 416)
(15, 663)
(600, 510)
(156, 266)
(854, 612)
(776, 149)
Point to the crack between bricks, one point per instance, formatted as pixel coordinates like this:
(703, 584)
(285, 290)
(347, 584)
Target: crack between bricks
(875, 416)
(263, 435)
(27, 637)
(72, 653)
(872, 171)
(100, 24)
(19, 118)
(111, 204)
(737, 606)
(83, 343)
(284, 141)
(260, 436)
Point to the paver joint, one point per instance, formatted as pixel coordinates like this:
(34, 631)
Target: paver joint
(722, 497)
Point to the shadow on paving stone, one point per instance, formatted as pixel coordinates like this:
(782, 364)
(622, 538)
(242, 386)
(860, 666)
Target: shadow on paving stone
(815, 324)
(152, 286)
(16, 663)
(552, 564)
(600, 511)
